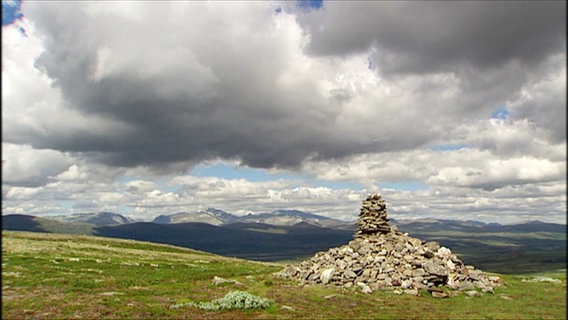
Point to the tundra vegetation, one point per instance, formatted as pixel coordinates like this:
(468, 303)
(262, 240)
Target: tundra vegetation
(72, 276)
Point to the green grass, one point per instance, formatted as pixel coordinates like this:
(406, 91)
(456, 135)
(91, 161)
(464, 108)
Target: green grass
(71, 276)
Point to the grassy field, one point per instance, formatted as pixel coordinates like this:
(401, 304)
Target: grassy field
(46, 276)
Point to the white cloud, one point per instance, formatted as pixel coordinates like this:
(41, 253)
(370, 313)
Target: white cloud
(24, 166)
(496, 174)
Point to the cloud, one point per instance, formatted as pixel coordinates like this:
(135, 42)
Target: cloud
(492, 50)
(428, 37)
(500, 173)
(183, 98)
(543, 97)
(27, 167)
(109, 105)
(145, 94)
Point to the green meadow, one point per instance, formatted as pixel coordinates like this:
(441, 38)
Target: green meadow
(48, 276)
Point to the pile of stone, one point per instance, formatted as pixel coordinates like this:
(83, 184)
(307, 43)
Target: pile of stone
(372, 218)
(381, 258)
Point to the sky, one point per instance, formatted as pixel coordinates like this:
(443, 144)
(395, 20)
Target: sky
(450, 110)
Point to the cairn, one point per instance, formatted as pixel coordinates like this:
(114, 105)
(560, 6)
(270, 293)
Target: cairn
(381, 258)
(372, 218)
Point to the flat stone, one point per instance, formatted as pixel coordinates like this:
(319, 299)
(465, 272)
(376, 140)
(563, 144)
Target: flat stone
(218, 280)
(406, 284)
(434, 268)
(364, 288)
(432, 246)
(412, 292)
(472, 293)
(110, 293)
(418, 272)
(349, 274)
(434, 289)
(326, 275)
(444, 252)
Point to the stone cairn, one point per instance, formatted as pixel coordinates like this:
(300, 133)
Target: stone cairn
(381, 258)
(373, 218)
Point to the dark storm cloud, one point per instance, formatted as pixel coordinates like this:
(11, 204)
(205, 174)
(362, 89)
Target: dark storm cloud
(422, 37)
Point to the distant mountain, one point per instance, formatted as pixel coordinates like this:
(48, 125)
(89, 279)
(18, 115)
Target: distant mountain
(431, 226)
(218, 217)
(290, 218)
(210, 216)
(95, 218)
(224, 216)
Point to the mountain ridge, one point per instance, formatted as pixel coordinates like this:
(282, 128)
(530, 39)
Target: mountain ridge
(101, 218)
(281, 217)
(499, 248)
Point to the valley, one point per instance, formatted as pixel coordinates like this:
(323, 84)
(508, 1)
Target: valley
(511, 249)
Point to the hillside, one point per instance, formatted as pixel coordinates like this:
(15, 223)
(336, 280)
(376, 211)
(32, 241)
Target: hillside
(71, 276)
(530, 247)
(21, 222)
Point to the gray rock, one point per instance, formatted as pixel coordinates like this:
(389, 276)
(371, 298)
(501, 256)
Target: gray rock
(364, 288)
(418, 272)
(349, 274)
(412, 292)
(326, 275)
(472, 293)
(433, 246)
(437, 294)
(218, 280)
(433, 268)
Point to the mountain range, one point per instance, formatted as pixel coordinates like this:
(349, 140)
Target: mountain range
(290, 235)
(210, 216)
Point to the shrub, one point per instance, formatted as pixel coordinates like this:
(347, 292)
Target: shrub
(232, 300)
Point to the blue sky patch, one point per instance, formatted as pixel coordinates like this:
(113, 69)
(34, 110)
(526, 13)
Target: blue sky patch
(447, 147)
(310, 4)
(126, 179)
(226, 171)
(67, 204)
(11, 11)
(370, 64)
(500, 113)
